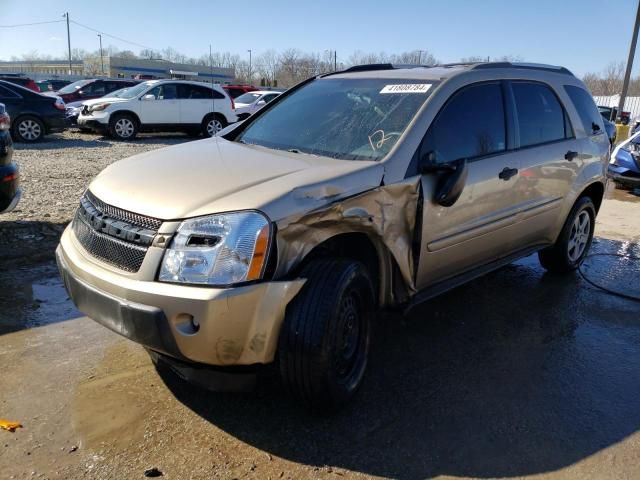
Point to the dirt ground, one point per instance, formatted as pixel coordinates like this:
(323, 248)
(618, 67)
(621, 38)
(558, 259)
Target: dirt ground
(517, 374)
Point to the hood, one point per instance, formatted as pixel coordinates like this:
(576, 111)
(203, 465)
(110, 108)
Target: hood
(215, 175)
(104, 100)
(74, 104)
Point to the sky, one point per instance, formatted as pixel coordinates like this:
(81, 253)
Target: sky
(582, 35)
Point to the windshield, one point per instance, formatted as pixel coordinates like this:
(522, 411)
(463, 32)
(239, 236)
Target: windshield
(72, 87)
(135, 91)
(349, 119)
(117, 93)
(247, 98)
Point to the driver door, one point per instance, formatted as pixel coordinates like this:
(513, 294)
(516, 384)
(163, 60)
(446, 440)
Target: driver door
(164, 108)
(478, 227)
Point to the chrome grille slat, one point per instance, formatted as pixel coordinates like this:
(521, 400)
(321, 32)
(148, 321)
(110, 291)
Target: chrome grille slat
(99, 240)
(120, 214)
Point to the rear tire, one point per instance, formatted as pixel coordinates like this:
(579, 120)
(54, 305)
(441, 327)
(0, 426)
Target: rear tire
(573, 244)
(123, 126)
(28, 129)
(212, 124)
(324, 341)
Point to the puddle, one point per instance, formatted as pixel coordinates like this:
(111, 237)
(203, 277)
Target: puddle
(32, 297)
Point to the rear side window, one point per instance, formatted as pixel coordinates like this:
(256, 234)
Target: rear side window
(6, 93)
(471, 124)
(540, 116)
(589, 114)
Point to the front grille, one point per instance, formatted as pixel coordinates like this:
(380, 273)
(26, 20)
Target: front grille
(115, 236)
(85, 110)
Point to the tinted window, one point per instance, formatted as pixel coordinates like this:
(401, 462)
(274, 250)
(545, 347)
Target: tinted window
(268, 98)
(471, 124)
(6, 93)
(540, 116)
(586, 108)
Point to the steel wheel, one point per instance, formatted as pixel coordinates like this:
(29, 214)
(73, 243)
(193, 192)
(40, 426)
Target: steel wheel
(124, 128)
(29, 130)
(579, 236)
(350, 335)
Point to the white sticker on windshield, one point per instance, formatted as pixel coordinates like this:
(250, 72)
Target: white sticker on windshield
(407, 88)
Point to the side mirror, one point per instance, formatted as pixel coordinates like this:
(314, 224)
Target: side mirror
(148, 97)
(452, 179)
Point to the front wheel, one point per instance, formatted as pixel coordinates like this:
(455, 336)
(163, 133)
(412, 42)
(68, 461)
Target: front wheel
(324, 342)
(574, 241)
(123, 127)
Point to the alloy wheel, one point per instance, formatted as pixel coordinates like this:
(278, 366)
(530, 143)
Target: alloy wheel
(29, 130)
(213, 127)
(124, 128)
(579, 237)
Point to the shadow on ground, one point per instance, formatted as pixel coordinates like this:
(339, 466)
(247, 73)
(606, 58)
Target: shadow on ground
(519, 372)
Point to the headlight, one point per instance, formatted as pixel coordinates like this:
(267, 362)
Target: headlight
(98, 107)
(218, 250)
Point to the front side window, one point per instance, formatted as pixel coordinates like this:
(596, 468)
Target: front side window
(166, 91)
(7, 93)
(471, 124)
(342, 118)
(541, 118)
(589, 114)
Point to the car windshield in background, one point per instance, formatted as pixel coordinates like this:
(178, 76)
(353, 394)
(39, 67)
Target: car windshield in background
(135, 91)
(348, 119)
(117, 93)
(247, 98)
(72, 87)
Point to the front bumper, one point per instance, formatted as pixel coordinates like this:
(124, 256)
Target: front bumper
(91, 123)
(624, 176)
(236, 326)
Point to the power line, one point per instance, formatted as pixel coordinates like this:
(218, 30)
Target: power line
(29, 24)
(112, 36)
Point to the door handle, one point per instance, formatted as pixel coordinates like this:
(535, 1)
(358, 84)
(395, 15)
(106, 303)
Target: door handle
(507, 173)
(570, 155)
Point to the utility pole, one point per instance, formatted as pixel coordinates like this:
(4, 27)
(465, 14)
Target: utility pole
(249, 65)
(68, 40)
(419, 57)
(101, 58)
(335, 60)
(627, 74)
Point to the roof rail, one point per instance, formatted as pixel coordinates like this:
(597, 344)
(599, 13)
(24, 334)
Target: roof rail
(525, 65)
(368, 67)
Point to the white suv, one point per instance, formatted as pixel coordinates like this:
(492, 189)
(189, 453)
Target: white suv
(160, 105)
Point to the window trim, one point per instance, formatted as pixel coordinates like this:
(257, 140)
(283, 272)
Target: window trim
(516, 124)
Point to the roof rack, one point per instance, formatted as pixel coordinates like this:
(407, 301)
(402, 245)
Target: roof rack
(469, 65)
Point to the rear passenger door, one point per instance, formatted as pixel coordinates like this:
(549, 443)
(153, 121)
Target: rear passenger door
(195, 102)
(12, 101)
(548, 153)
(478, 227)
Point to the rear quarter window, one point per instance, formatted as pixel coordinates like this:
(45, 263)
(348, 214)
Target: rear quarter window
(586, 107)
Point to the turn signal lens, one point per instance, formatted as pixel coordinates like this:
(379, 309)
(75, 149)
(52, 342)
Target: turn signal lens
(259, 254)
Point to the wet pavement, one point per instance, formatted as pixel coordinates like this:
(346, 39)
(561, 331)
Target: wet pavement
(516, 374)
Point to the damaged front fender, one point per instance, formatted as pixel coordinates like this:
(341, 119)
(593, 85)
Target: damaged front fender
(387, 214)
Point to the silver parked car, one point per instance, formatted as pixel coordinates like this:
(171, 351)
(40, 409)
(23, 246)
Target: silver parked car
(373, 187)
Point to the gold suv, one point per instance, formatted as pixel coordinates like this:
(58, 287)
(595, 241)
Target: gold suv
(378, 186)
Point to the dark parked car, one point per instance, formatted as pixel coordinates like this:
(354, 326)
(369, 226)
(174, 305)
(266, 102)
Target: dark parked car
(33, 115)
(90, 89)
(9, 190)
(611, 113)
(52, 85)
(21, 80)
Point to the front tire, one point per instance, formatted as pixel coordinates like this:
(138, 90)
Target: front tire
(28, 129)
(123, 127)
(573, 244)
(324, 342)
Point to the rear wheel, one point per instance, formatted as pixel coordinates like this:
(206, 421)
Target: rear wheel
(28, 128)
(212, 124)
(324, 341)
(123, 127)
(574, 241)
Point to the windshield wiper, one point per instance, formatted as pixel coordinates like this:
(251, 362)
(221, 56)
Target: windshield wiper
(294, 150)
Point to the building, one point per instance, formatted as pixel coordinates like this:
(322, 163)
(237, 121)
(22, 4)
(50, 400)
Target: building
(117, 67)
(44, 69)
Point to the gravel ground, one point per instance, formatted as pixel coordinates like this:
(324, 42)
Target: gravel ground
(54, 173)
